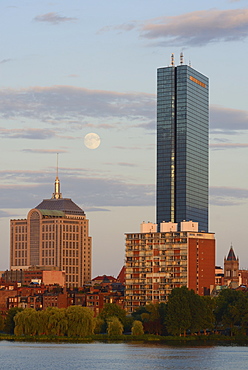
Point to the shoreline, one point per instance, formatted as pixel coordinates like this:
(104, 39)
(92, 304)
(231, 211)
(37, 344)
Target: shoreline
(145, 339)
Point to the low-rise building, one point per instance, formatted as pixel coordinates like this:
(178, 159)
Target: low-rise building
(35, 274)
(219, 276)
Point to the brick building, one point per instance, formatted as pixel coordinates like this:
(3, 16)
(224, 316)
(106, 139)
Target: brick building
(97, 298)
(243, 277)
(6, 291)
(157, 262)
(103, 280)
(36, 274)
(55, 299)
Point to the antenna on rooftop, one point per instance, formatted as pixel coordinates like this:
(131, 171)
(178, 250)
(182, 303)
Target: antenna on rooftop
(181, 58)
(172, 59)
(57, 164)
(57, 194)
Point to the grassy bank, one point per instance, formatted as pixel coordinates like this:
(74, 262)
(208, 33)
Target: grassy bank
(146, 338)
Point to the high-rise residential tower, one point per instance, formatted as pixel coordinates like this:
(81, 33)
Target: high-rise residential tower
(182, 145)
(55, 234)
(158, 262)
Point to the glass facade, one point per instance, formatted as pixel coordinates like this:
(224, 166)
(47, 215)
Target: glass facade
(182, 145)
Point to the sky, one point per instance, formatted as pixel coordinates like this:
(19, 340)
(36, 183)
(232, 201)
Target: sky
(69, 68)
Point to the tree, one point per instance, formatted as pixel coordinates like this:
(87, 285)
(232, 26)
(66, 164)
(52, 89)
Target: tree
(26, 322)
(111, 310)
(153, 318)
(239, 312)
(207, 319)
(228, 310)
(99, 323)
(137, 313)
(9, 325)
(115, 326)
(80, 321)
(178, 318)
(137, 328)
(1, 323)
(43, 318)
(244, 323)
(183, 311)
(186, 310)
(56, 321)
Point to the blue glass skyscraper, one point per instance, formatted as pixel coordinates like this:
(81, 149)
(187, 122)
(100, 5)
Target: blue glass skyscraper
(182, 145)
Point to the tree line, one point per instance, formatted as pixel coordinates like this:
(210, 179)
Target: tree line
(184, 313)
(188, 313)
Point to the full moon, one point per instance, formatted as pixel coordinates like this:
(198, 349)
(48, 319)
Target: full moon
(92, 141)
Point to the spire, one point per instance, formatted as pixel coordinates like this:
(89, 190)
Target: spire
(231, 255)
(57, 194)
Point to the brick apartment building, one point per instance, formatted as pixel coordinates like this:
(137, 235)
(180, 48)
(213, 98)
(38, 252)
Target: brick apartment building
(157, 262)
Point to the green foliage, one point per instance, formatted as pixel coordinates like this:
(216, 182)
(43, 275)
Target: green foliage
(43, 317)
(99, 325)
(111, 310)
(231, 309)
(151, 319)
(115, 326)
(137, 328)
(128, 323)
(138, 313)
(207, 318)
(1, 323)
(55, 321)
(188, 311)
(75, 321)
(179, 317)
(9, 325)
(26, 322)
(80, 321)
(152, 316)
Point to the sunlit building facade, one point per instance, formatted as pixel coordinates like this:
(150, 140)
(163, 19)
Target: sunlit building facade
(157, 262)
(182, 145)
(55, 234)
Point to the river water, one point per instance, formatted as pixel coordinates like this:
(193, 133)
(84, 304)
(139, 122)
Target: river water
(19, 355)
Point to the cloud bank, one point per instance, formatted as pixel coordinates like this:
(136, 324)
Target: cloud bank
(53, 18)
(227, 119)
(66, 103)
(192, 29)
(227, 196)
(222, 146)
(27, 133)
(198, 28)
(80, 107)
(4, 214)
(45, 151)
(97, 192)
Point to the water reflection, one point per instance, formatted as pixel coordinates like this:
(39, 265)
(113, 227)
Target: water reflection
(17, 355)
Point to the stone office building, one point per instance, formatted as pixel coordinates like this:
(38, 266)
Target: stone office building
(54, 234)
